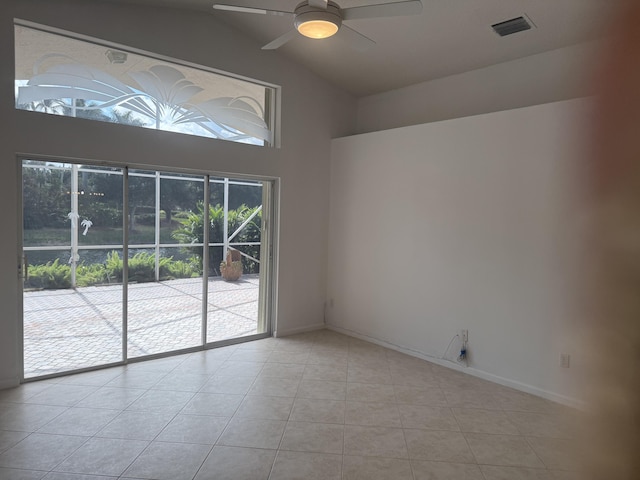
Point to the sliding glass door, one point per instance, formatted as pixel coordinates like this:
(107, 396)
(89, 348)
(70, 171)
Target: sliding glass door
(72, 304)
(165, 274)
(115, 264)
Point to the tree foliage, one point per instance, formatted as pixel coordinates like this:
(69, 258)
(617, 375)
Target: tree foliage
(192, 228)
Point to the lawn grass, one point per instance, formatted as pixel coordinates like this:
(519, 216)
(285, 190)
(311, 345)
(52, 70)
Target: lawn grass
(142, 235)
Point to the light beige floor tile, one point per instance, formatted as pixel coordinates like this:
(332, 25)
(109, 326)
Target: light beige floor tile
(322, 389)
(484, 421)
(27, 418)
(313, 437)
(227, 384)
(375, 468)
(245, 432)
(279, 356)
(112, 398)
(558, 453)
(239, 369)
(80, 421)
(136, 425)
(307, 466)
(235, 463)
(202, 429)
(470, 398)
(439, 446)
(416, 377)
(338, 360)
(242, 397)
(367, 355)
(245, 355)
(169, 461)
(15, 474)
(492, 472)
(374, 442)
(40, 451)
(266, 408)
(541, 424)
(94, 379)
(103, 456)
(451, 379)
(275, 387)
(23, 392)
(161, 402)
(165, 365)
(182, 382)
(74, 476)
(513, 400)
(9, 439)
(372, 414)
(313, 410)
(262, 344)
(216, 404)
(365, 392)
(428, 417)
(567, 475)
(283, 370)
(411, 395)
(361, 374)
(507, 450)
(423, 470)
(199, 366)
(136, 379)
(61, 395)
(329, 373)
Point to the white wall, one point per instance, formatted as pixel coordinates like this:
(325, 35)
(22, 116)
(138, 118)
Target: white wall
(302, 164)
(469, 223)
(547, 77)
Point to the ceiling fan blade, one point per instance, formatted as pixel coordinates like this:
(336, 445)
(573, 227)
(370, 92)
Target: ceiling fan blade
(356, 40)
(259, 11)
(318, 4)
(281, 40)
(395, 9)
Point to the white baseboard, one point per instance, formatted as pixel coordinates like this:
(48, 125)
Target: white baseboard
(523, 387)
(9, 383)
(285, 332)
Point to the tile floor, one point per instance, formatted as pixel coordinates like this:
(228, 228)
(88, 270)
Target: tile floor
(313, 406)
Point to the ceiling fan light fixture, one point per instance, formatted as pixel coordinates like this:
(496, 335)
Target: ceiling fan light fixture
(317, 29)
(318, 23)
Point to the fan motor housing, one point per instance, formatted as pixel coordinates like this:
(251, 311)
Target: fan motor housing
(305, 13)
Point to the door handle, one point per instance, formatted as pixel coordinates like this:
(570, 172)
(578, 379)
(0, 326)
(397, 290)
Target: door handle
(23, 268)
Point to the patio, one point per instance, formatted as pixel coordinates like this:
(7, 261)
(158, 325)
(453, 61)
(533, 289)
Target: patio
(77, 328)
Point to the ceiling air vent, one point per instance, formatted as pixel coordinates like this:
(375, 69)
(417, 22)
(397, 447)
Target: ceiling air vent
(515, 25)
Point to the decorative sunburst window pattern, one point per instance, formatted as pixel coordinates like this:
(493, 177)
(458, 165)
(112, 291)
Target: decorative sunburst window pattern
(61, 75)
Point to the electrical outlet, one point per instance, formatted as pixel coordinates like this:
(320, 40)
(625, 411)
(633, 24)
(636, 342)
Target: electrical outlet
(565, 360)
(464, 335)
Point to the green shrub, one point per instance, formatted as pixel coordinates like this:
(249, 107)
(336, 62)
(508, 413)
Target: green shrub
(142, 268)
(92, 274)
(51, 275)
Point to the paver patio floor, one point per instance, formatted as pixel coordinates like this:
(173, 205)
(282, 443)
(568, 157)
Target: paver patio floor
(78, 328)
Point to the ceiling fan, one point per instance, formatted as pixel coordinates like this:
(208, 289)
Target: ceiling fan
(323, 18)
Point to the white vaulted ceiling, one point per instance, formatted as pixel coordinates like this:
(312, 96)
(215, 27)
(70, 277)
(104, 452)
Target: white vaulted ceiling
(449, 37)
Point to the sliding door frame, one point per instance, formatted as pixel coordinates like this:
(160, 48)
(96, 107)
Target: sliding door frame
(268, 284)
